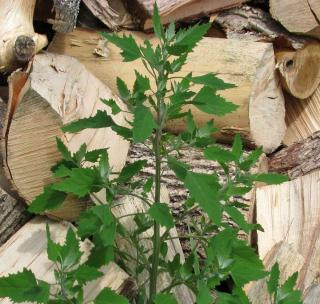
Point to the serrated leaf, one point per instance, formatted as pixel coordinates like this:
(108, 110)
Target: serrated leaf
(115, 109)
(178, 63)
(239, 219)
(85, 273)
(251, 159)
(157, 25)
(219, 154)
(100, 256)
(80, 182)
(204, 294)
(129, 48)
(204, 188)
(170, 31)
(65, 153)
(212, 81)
(141, 83)
(186, 40)
(165, 298)
(93, 155)
(179, 168)
(123, 89)
(161, 213)
(207, 101)
(53, 249)
(24, 287)
(143, 124)
(48, 200)
(70, 252)
(100, 120)
(273, 281)
(270, 178)
(108, 296)
(130, 171)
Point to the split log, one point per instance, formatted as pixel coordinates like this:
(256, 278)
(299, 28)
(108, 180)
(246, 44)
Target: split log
(302, 117)
(300, 70)
(57, 91)
(112, 13)
(171, 11)
(297, 16)
(248, 65)
(28, 248)
(298, 159)
(18, 41)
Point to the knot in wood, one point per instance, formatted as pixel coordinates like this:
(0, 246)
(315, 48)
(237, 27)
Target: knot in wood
(24, 48)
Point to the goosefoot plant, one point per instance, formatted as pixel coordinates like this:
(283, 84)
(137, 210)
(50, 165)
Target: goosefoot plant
(85, 173)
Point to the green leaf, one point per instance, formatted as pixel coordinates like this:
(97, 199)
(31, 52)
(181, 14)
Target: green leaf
(274, 279)
(219, 154)
(204, 188)
(129, 48)
(24, 287)
(115, 109)
(93, 155)
(141, 83)
(207, 101)
(53, 249)
(212, 81)
(123, 89)
(66, 154)
(237, 147)
(179, 168)
(70, 252)
(81, 182)
(186, 40)
(204, 294)
(157, 25)
(100, 256)
(130, 171)
(165, 298)
(143, 124)
(251, 159)
(239, 219)
(48, 200)
(270, 178)
(108, 296)
(178, 63)
(85, 273)
(161, 213)
(286, 293)
(100, 120)
(170, 31)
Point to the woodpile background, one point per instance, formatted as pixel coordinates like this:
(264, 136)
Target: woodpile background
(54, 68)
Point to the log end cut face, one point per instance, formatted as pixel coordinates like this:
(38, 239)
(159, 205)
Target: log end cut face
(60, 90)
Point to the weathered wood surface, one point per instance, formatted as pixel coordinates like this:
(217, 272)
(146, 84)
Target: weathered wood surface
(302, 117)
(18, 41)
(248, 65)
(297, 16)
(28, 248)
(298, 159)
(58, 90)
(112, 13)
(175, 10)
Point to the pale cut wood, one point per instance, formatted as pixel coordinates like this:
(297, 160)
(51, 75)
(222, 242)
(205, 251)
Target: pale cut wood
(58, 90)
(174, 10)
(297, 16)
(300, 70)
(289, 212)
(18, 41)
(249, 65)
(302, 117)
(289, 262)
(131, 205)
(111, 12)
(28, 249)
(297, 159)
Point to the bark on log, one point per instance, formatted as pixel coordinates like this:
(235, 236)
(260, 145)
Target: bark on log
(28, 248)
(112, 13)
(176, 10)
(248, 65)
(300, 70)
(302, 117)
(254, 24)
(298, 159)
(297, 16)
(18, 41)
(58, 90)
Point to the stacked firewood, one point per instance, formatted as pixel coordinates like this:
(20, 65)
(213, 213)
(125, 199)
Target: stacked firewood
(55, 67)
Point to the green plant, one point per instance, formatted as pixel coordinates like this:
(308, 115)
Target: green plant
(85, 173)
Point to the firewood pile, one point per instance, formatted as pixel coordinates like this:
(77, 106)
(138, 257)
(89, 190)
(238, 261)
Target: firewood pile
(55, 68)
